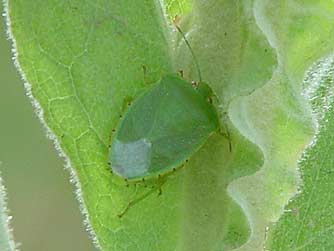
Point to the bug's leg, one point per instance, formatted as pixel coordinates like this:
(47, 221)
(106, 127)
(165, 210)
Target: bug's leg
(210, 100)
(160, 181)
(227, 135)
(143, 180)
(180, 73)
(127, 182)
(229, 141)
(160, 191)
(144, 68)
(143, 196)
(108, 167)
(133, 202)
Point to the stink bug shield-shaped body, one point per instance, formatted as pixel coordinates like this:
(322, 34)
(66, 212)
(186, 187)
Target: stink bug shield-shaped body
(161, 129)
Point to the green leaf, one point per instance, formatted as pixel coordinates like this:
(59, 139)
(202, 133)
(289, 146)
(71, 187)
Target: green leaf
(84, 59)
(298, 32)
(6, 238)
(308, 222)
(305, 42)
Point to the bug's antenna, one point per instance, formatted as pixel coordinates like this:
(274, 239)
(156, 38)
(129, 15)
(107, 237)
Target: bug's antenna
(191, 51)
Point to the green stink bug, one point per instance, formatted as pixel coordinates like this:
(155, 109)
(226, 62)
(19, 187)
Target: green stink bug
(162, 129)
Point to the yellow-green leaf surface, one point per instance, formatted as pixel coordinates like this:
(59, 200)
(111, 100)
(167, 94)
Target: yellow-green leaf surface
(6, 238)
(308, 223)
(305, 43)
(177, 8)
(83, 60)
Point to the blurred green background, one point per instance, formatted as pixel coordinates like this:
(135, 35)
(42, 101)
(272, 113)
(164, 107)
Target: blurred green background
(46, 215)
